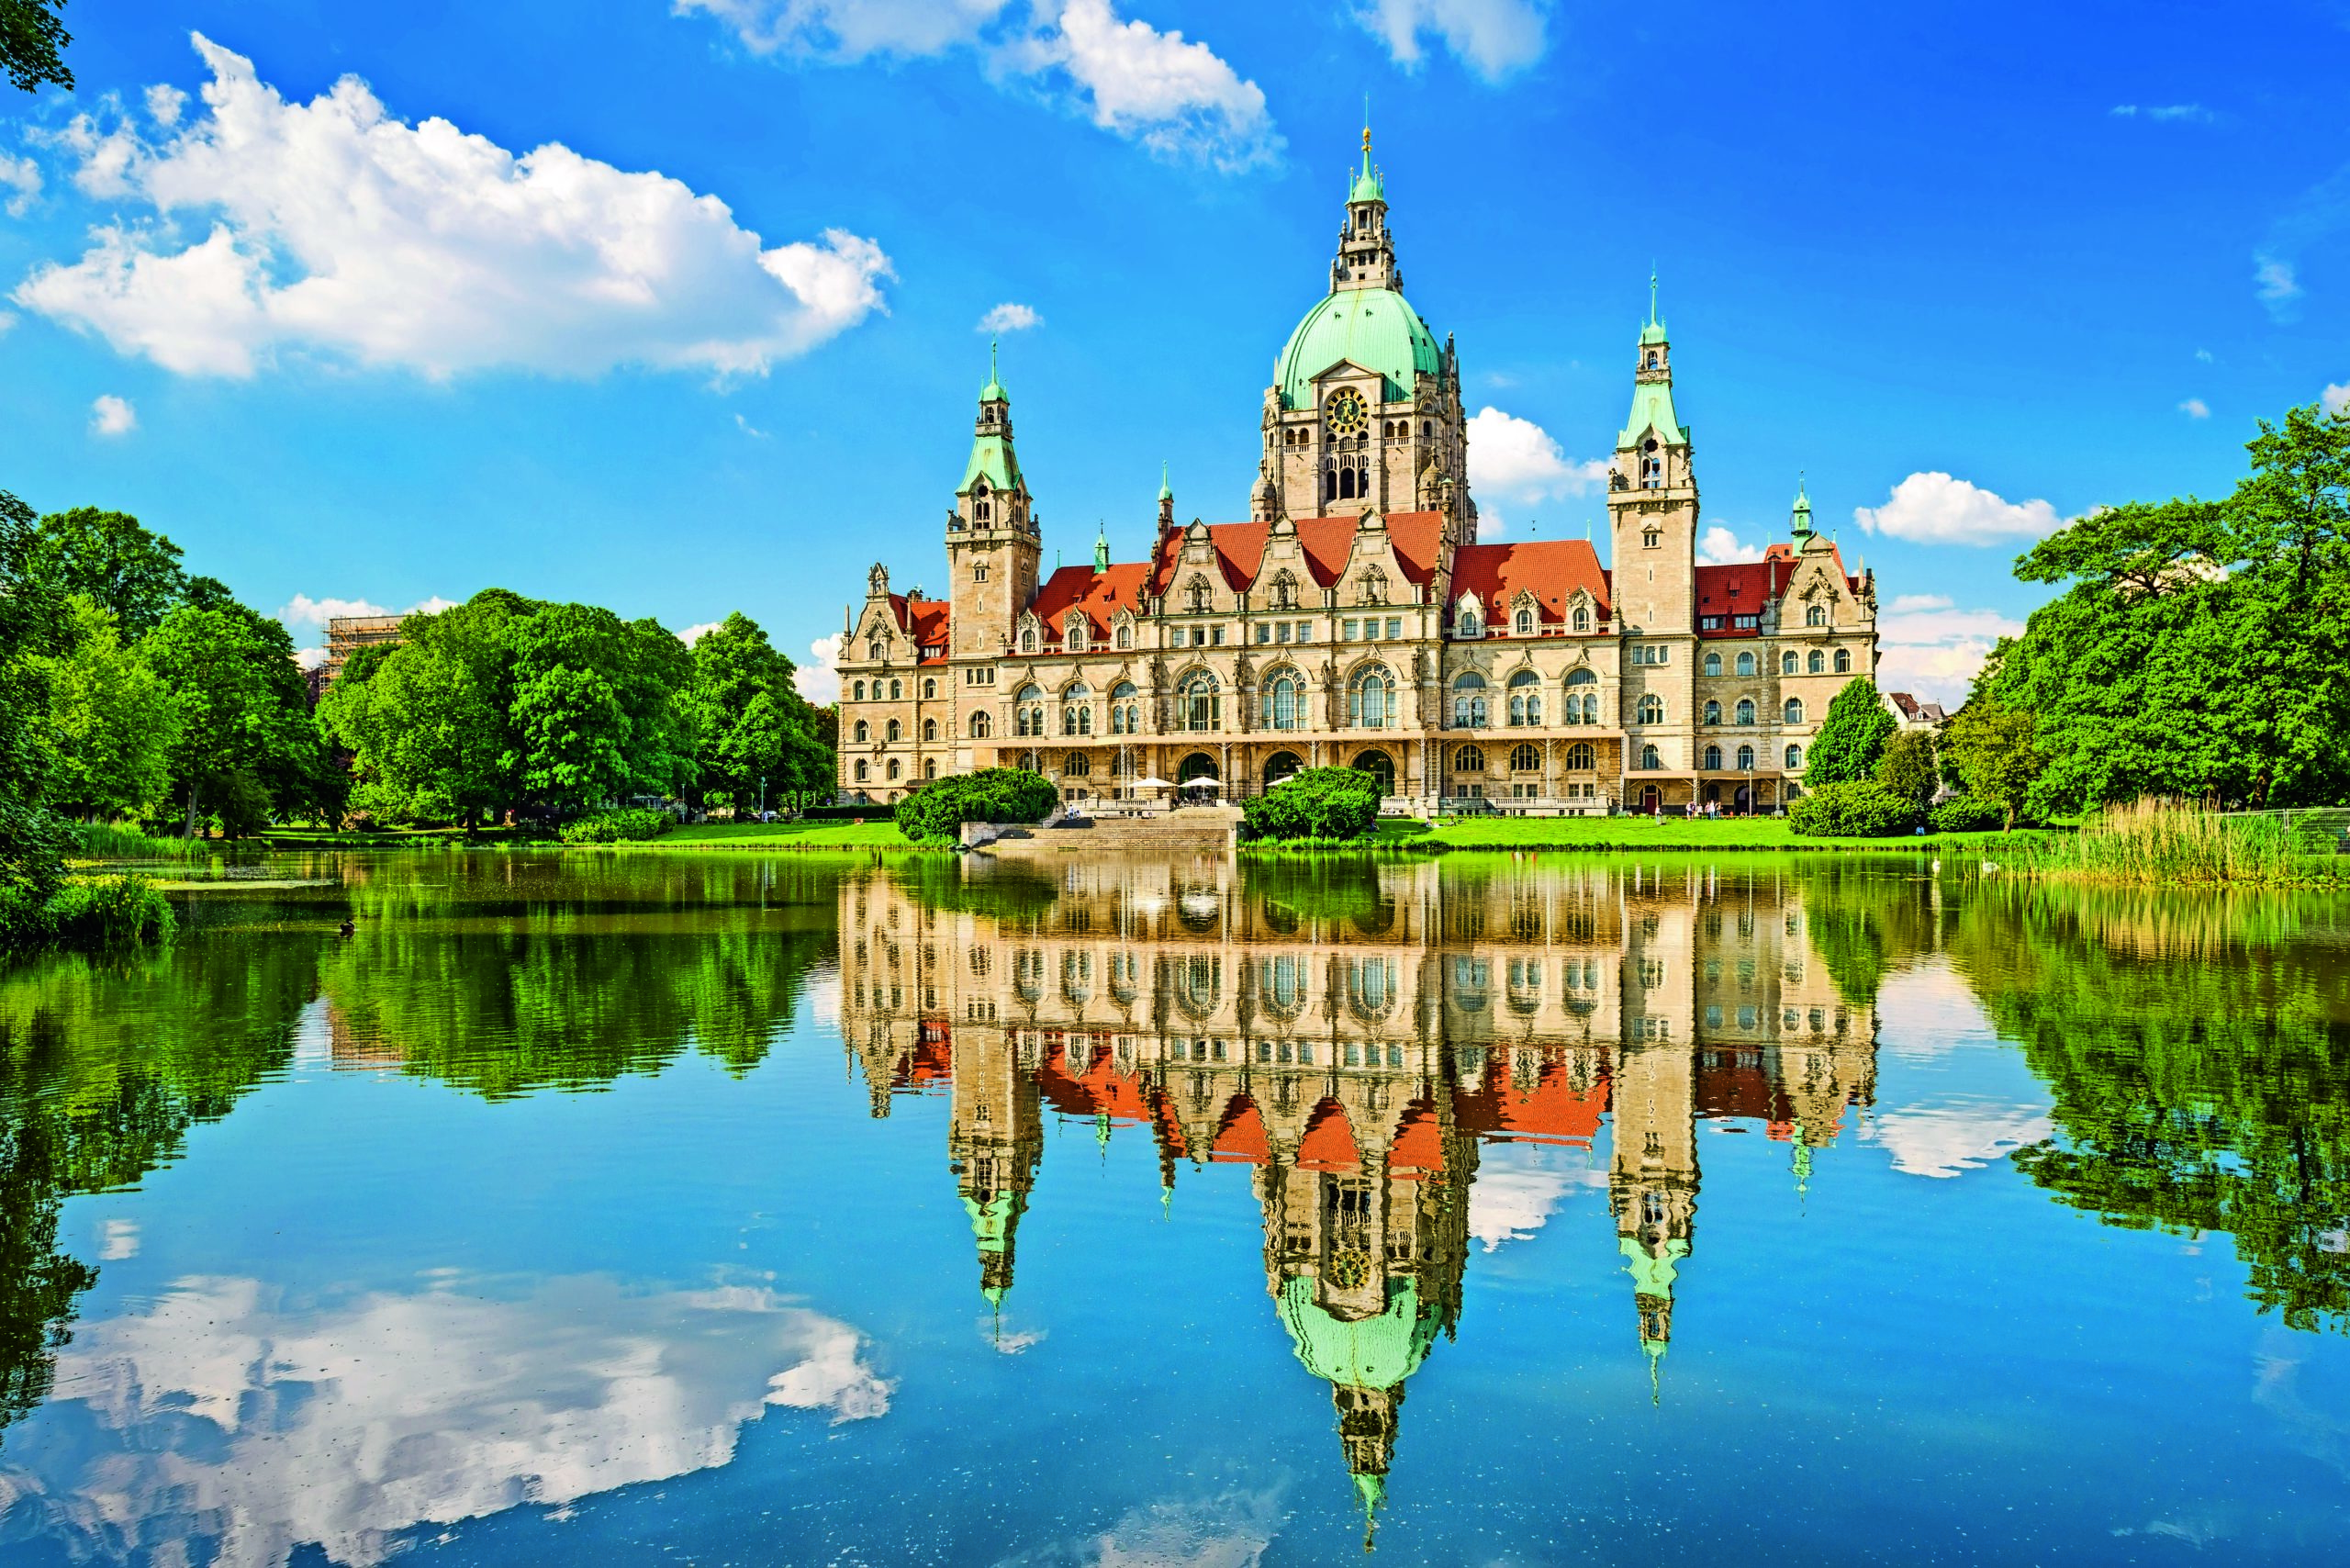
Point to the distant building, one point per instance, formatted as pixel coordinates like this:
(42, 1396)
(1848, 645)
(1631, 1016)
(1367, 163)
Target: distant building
(346, 634)
(1912, 714)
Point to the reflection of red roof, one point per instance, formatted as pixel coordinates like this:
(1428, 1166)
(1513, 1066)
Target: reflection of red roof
(1327, 542)
(1549, 1111)
(1731, 1081)
(924, 621)
(1242, 1138)
(1098, 594)
(1329, 1142)
(1550, 570)
(1100, 1087)
(1419, 1144)
(931, 1062)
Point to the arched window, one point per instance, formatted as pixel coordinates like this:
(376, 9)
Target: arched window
(897, 690)
(1745, 759)
(1713, 663)
(1788, 663)
(858, 694)
(1028, 641)
(1076, 765)
(1746, 710)
(1076, 709)
(929, 686)
(864, 732)
(929, 768)
(1652, 359)
(1583, 619)
(1526, 698)
(1583, 698)
(1285, 701)
(1794, 711)
(930, 729)
(1125, 636)
(1028, 711)
(1816, 661)
(1652, 708)
(1371, 699)
(1843, 661)
(1524, 760)
(1197, 703)
(1525, 624)
(891, 734)
(873, 651)
(1469, 702)
(1285, 591)
(1347, 484)
(893, 771)
(1195, 594)
(1581, 758)
(1466, 622)
(1469, 759)
(1648, 759)
(982, 726)
(1746, 663)
(1816, 616)
(1794, 758)
(1126, 713)
(860, 770)
(1329, 483)
(1074, 637)
(1713, 711)
(1713, 759)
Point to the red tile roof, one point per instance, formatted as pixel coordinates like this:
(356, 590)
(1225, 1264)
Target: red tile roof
(924, 621)
(1418, 538)
(1098, 594)
(1551, 570)
(1743, 588)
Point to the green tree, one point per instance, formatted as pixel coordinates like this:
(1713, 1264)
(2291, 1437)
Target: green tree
(34, 627)
(238, 727)
(1908, 766)
(749, 721)
(32, 44)
(1851, 738)
(112, 720)
(1994, 750)
(132, 574)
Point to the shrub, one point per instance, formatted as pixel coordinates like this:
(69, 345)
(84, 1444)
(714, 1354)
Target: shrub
(618, 827)
(1851, 738)
(938, 810)
(1907, 766)
(1966, 815)
(1859, 808)
(1317, 802)
(89, 912)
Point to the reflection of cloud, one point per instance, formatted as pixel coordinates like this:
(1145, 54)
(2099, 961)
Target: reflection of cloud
(1231, 1529)
(1510, 1204)
(823, 985)
(1926, 1011)
(2307, 1415)
(119, 1240)
(251, 1426)
(1945, 1139)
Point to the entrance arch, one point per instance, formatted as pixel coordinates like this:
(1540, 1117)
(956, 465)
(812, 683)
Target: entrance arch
(1652, 798)
(1279, 765)
(1745, 799)
(1199, 764)
(1380, 766)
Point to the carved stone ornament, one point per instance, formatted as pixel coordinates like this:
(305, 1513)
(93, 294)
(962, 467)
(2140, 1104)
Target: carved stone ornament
(877, 579)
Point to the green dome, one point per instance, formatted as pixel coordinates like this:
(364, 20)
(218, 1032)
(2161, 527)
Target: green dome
(1378, 1352)
(1374, 328)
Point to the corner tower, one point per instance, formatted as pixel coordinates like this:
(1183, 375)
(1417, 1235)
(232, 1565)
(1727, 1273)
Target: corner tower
(992, 544)
(1652, 498)
(1364, 411)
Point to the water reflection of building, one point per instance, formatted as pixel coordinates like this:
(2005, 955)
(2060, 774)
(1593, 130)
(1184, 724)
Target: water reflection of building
(1354, 1044)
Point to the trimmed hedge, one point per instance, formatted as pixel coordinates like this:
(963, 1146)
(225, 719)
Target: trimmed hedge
(618, 827)
(1858, 808)
(1317, 802)
(1966, 815)
(937, 811)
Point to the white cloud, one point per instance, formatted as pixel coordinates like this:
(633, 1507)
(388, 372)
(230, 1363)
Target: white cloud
(2279, 287)
(1516, 460)
(2203, 356)
(164, 104)
(1934, 509)
(110, 415)
(1175, 97)
(1721, 547)
(749, 428)
(1493, 38)
(333, 228)
(1945, 1141)
(1229, 1531)
(1010, 317)
(2336, 398)
(697, 632)
(1928, 647)
(818, 678)
(304, 614)
(2195, 408)
(21, 177)
(2163, 113)
(228, 1418)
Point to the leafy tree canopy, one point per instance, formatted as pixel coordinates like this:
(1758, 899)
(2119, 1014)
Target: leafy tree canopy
(132, 574)
(32, 44)
(1851, 738)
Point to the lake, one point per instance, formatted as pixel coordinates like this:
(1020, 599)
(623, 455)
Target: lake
(767, 1209)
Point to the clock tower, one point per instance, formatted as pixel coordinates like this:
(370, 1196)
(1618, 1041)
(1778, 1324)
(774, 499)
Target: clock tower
(992, 544)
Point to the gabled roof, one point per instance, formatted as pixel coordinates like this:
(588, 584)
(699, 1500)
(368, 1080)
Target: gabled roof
(922, 620)
(1550, 570)
(1098, 594)
(1743, 588)
(1327, 542)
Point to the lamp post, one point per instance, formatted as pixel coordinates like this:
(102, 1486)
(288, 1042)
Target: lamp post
(763, 798)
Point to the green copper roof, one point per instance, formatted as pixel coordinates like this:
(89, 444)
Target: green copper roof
(1368, 185)
(993, 391)
(1166, 491)
(1654, 332)
(1378, 1352)
(992, 458)
(1374, 328)
(1652, 409)
(1652, 1276)
(1801, 525)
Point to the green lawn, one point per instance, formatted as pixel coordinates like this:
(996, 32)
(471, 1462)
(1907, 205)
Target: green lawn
(878, 833)
(1640, 833)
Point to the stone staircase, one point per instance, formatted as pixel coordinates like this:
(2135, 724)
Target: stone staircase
(1192, 828)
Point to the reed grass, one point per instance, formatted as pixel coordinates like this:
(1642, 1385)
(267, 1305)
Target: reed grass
(2156, 841)
(120, 841)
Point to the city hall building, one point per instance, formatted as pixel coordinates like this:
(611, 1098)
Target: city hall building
(1355, 618)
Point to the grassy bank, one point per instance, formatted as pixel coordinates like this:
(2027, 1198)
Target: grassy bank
(1636, 833)
(119, 841)
(876, 835)
(2155, 842)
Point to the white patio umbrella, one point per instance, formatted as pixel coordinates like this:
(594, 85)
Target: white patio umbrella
(1204, 782)
(1152, 784)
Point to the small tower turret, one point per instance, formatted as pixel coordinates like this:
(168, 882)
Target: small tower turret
(1366, 257)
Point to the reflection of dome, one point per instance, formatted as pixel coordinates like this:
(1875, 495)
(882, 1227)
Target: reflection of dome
(1374, 327)
(1376, 1352)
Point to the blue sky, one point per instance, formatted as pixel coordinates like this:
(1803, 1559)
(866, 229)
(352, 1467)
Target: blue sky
(680, 311)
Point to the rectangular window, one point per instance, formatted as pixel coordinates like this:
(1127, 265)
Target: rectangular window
(1709, 622)
(1305, 631)
(1395, 626)
(1218, 638)
(1199, 636)
(1348, 631)
(1285, 633)
(1264, 632)
(1747, 622)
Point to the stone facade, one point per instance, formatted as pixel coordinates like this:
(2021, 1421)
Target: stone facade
(1355, 617)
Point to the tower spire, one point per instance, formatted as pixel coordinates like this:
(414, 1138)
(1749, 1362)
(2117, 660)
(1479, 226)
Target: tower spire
(1799, 524)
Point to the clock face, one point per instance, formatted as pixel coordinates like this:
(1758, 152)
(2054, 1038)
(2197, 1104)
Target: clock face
(1345, 411)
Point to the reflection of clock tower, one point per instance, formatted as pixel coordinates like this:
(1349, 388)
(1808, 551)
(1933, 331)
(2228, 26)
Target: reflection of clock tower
(995, 1140)
(1364, 412)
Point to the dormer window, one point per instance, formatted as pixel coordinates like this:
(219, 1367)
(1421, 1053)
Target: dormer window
(1583, 620)
(1028, 641)
(1526, 624)
(1466, 623)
